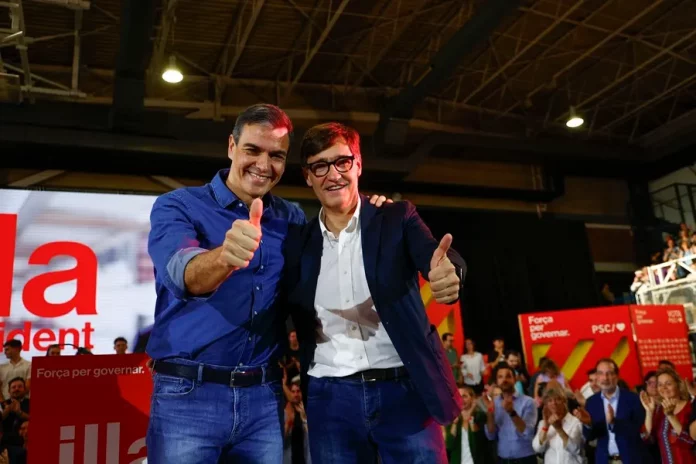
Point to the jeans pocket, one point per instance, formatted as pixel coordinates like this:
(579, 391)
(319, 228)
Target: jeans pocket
(169, 386)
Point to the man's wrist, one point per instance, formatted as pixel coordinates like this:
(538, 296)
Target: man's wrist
(512, 413)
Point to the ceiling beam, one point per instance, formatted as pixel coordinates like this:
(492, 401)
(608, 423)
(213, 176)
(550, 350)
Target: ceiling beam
(132, 62)
(587, 53)
(390, 130)
(242, 40)
(317, 45)
(77, 46)
(501, 70)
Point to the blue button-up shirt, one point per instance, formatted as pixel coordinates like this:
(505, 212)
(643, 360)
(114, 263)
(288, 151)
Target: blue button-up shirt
(511, 443)
(239, 324)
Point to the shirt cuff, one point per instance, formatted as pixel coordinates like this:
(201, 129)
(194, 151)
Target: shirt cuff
(176, 268)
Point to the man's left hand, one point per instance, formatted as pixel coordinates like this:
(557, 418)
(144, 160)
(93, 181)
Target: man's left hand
(444, 281)
(379, 200)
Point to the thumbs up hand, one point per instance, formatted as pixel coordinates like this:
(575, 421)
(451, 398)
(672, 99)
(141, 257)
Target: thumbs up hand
(444, 281)
(242, 240)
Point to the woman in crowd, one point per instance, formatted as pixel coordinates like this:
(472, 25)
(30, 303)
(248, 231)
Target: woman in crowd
(559, 435)
(473, 367)
(465, 439)
(667, 420)
(549, 371)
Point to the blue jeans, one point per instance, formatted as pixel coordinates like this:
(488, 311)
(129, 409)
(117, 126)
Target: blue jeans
(355, 422)
(207, 423)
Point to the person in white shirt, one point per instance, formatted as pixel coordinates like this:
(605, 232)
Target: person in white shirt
(378, 379)
(559, 435)
(17, 367)
(473, 367)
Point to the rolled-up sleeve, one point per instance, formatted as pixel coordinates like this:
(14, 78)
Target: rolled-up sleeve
(172, 242)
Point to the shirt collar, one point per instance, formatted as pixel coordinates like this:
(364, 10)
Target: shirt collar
(615, 396)
(352, 224)
(225, 197)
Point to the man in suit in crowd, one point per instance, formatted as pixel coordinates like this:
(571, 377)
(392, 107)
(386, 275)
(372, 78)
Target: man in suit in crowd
(613, 417)
(374, 370)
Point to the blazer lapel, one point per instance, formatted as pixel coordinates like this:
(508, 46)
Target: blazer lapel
(311, 264)
(370, 231)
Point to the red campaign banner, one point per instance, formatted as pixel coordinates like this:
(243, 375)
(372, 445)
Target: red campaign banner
(89, 409)
(662, 333)
(577, 339)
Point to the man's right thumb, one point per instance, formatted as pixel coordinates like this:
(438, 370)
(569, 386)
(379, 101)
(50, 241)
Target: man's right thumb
(255, 212)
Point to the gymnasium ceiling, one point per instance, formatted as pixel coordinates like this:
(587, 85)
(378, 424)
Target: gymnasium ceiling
(452, 79)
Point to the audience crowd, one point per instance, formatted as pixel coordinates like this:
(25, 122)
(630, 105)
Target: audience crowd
(508, 415)
(684, 246)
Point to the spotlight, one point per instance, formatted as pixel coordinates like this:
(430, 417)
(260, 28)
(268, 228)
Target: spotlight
(172, 74)
(574, 120)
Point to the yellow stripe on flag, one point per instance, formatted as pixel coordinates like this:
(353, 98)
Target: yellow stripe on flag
(539, 351)
(576, 357)
(426, 294)
(620, 352)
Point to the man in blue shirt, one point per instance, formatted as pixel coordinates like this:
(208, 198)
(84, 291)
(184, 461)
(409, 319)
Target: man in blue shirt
(512, 418)
(219, 325)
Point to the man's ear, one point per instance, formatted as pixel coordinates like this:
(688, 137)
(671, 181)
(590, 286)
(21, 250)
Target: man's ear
(305, 174)
(358, 161)
(230, 147)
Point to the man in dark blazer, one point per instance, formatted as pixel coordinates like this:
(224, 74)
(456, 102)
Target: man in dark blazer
(374, 371)
(614, 417)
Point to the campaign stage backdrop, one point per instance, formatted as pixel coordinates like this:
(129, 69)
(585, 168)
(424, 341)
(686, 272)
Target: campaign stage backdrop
(635, 337)
(90, 409)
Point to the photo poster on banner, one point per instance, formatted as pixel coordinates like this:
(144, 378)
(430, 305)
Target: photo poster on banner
(74, 269)
(576, 339)
(662, 333)
(90, 409)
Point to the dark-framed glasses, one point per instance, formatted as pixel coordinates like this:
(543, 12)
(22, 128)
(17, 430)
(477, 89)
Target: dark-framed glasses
(321, 168)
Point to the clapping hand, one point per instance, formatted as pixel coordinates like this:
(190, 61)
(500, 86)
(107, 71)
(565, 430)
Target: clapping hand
(648, 402)
(443, 278)
(669, 404)
(583, 416)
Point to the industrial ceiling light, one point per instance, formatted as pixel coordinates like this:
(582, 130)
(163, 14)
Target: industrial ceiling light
(172, 73)
(574, 120)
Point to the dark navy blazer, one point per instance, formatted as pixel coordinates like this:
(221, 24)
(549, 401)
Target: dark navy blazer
(396, 246)
(630, 417)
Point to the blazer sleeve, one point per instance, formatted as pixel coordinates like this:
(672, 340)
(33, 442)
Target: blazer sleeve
(421, 243)
(598, 429)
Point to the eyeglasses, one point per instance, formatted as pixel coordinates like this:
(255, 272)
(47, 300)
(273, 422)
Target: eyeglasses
(321, 168)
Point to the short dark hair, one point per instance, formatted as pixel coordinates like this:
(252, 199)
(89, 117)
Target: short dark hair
(667, 362)
(13, 343)
(608, 361)
(445, 335)
(499, 367)
(649, 376)
(17, 379)
(120, 339)
(592, 371)
(262, 113)
(324, 136)
(513, 353)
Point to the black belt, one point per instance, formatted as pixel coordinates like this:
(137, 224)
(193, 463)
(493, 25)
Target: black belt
(246, 378)
(373, 375)
(615, 457)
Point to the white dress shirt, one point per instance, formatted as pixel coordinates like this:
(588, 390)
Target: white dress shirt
(350, 336)
(553, 450)
(614, 401)
(474, 365)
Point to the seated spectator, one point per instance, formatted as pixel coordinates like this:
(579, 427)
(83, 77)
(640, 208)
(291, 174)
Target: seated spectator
(667, 422)
(465, 439)
(559, 435)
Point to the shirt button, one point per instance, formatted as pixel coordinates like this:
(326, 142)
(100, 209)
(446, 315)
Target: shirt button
(347, 300)
(262, 266)
(257, 288)
(354, 328)
(256, 313)
(360, 357)
(249, 338)
(262, 242)
(241, 364)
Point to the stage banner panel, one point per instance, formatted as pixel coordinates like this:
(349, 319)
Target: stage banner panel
(662, 333)
(446, 317)
(576, 339)
(89, 409)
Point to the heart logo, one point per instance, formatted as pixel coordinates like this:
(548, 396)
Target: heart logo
(621, 326)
